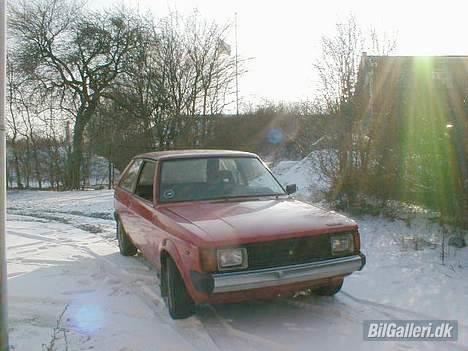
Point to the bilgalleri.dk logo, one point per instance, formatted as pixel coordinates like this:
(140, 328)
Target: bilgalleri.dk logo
(410, 330)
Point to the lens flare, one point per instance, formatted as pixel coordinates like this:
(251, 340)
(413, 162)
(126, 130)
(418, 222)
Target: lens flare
(88, 319)
(275, 136)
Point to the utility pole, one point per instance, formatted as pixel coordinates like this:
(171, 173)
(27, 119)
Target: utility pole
(237, 75)
(3, 278)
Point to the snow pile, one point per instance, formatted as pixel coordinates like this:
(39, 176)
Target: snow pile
(306, 174)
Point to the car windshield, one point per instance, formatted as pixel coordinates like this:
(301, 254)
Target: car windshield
(216, 178)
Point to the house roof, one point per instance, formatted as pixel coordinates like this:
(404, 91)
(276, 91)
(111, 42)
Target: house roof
(172, 154)
(409, 56)
(376, 59)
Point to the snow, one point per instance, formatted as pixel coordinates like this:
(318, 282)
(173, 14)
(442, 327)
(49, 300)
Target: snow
(63, 261)
(305, 174)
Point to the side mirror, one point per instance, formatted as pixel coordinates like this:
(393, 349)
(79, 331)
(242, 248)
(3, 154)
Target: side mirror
(291, 188)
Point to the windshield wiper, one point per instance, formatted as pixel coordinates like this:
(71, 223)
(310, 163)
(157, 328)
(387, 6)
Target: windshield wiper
(246, 197)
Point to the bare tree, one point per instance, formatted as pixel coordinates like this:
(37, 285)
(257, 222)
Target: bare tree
(12, 119)
(382, 44)
(214, 70)
(338, 64)
(199, 73)
(126, 83)
(338, 69)
(180, 80)
(29, 108)
(77, 51)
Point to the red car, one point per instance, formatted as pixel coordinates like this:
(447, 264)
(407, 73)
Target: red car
(219, 228)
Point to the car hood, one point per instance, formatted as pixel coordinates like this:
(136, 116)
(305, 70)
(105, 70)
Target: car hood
(231, 223)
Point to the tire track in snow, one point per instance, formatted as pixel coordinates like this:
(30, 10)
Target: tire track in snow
(222, 333)
(392, 308)
(219, 331)
(73, 218)
(144, 286)
(135, 278)
(208, 330)
(367, 311)
(146, 293)
(30, 236)
(406, 314)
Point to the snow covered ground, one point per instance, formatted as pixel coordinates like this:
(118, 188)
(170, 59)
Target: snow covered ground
(305, 174)
(69, 289)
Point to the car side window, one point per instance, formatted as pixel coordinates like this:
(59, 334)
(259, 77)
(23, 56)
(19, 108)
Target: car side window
(144, 187)
(129, 178)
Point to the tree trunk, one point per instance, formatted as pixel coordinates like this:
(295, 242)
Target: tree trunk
(19, 184)
(37, 167)
(76, 157)
(109, 165)
(27, 164)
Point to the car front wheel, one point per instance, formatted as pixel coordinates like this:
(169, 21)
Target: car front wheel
(329, 290)
(178, 301)
(126, 247)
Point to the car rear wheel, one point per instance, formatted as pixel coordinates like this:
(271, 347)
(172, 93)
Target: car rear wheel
(329, 290)
(178, 301)
(126, 247)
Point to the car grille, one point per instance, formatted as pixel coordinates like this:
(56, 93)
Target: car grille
(288, 251)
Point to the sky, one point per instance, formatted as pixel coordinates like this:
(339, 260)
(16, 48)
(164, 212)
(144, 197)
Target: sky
(283, 37)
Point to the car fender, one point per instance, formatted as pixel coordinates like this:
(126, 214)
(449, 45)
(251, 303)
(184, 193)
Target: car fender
(184, 261)
(171, 248)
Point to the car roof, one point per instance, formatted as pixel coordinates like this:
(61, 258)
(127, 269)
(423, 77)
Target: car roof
(173, 154)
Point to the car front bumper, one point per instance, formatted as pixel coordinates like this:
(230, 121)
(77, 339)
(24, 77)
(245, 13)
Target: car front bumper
(262, 278)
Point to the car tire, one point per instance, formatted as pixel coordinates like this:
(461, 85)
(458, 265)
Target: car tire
(329, 290)
(126, 247)
(178, 301)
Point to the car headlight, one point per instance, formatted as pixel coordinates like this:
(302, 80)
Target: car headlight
(232, 258)
(342, 244)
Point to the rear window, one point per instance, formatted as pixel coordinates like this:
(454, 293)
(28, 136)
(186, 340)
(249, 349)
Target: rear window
(129, 178)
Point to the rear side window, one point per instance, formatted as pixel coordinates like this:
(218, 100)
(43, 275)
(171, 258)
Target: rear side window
(129, 178)
(144, 187)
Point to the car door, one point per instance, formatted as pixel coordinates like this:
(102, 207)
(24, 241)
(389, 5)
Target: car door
(124, 194)
(142, 208)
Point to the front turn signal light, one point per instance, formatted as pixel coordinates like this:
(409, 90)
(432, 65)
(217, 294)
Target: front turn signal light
(208, 260)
